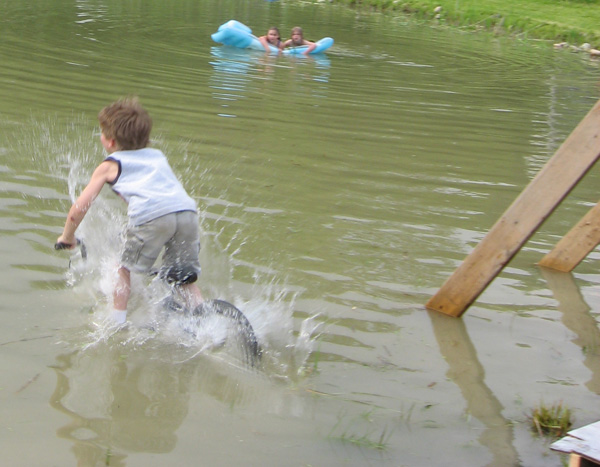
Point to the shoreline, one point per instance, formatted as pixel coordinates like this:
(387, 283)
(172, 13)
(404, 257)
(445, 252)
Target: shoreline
(567, 23)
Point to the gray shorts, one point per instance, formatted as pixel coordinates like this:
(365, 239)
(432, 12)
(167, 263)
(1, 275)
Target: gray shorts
(177, 232)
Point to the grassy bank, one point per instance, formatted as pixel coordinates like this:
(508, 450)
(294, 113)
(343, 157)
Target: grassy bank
(573, 21)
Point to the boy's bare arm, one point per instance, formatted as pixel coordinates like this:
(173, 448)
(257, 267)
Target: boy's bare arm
(104, 173)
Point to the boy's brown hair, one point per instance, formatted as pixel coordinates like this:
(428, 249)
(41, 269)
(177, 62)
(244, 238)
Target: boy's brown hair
(127, 122)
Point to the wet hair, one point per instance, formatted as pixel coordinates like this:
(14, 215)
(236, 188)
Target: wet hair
(276, 30)
(127, 122)
(298, 30)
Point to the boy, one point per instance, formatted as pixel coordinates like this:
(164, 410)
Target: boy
(161, 213)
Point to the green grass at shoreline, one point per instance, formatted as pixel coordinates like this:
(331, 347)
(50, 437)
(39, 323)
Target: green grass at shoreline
(573, 21)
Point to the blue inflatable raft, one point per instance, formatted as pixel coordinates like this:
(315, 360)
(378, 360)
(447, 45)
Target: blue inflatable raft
(239, 35)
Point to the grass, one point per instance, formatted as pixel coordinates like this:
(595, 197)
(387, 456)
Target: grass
(370, 440)
(552, 421)
(365, 441)
(573, 21)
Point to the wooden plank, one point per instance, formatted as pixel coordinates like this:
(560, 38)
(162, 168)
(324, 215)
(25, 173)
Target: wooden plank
(584, 442)
(574, 460)
(576, 245)
(549, 187)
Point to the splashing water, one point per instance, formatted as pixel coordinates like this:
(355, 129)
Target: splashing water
(267, 303)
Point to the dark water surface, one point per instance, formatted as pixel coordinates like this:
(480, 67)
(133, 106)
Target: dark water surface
(337, 193)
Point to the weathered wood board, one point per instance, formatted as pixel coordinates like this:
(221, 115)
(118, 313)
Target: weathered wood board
(584, 442)
(549, 187)
(576, 245)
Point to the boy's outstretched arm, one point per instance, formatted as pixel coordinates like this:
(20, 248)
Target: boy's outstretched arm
(104, 173)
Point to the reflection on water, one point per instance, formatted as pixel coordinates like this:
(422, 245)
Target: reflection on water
(140, 399)
(577, 318)
(468, 374)
(239, 72)
(143, 389)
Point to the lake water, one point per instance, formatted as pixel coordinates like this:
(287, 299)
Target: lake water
(337, 193)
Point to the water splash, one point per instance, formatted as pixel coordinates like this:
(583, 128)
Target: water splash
(265, 299)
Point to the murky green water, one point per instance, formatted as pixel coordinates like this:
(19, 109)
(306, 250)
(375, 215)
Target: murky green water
(337, 194)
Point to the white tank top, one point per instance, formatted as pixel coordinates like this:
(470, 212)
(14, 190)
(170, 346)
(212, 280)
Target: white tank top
(148, 185)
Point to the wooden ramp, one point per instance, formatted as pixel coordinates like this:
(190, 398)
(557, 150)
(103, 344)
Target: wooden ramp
(576, 245)
(531, 208)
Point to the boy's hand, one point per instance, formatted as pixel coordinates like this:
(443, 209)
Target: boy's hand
(65, 243)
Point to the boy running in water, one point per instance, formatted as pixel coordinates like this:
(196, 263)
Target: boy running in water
(161, 214)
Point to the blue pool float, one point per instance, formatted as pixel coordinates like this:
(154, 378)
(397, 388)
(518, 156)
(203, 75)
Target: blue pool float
(239, 35)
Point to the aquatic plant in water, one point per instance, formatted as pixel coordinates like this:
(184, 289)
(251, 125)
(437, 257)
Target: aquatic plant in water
(370, 440)
(551, 421)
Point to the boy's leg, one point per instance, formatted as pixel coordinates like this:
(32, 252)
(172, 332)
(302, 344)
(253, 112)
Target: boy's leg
(182, 251)
(121, 296)
(122, 289)
(143, 244)
(191, 294)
